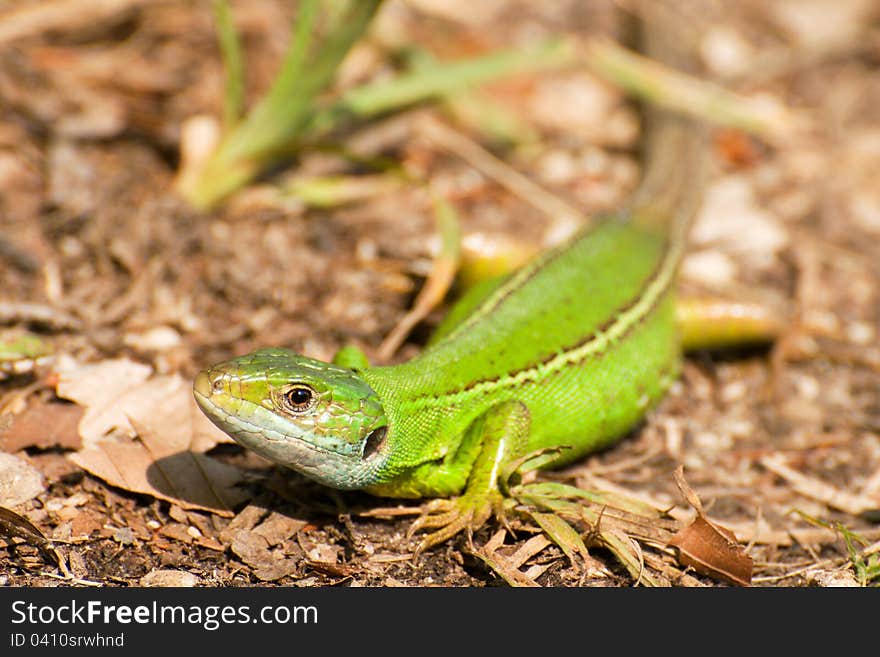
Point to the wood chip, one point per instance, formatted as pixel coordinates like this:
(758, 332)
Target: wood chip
(169, 577)
(831, 578)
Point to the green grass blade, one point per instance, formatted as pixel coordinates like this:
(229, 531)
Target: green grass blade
(233, 64)
(281, 115)
(438, 79)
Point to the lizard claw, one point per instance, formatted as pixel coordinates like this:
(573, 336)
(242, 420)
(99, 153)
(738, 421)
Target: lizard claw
(450, 516)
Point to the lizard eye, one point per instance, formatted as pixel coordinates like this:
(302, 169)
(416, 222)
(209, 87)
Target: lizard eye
(299, 398)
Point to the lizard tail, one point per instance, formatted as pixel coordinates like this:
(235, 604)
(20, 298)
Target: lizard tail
(675, 161)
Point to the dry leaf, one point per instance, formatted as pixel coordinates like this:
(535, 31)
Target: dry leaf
(268, 565)
(713, 551)
(245, 520)
(19, 481)
(565, 536)
(160, 462)
(708, 548)
(102, 388)
(14, 524)
(501, 564)
(278, 528)
(44, 425)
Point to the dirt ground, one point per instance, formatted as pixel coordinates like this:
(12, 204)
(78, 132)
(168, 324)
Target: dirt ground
(105, 264)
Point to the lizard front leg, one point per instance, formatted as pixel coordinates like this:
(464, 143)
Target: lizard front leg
(501, 433)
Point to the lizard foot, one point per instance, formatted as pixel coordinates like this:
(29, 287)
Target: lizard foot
(450, 516)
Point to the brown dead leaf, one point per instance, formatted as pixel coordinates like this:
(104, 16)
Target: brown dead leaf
(708, 548)
(267, 564)
(278, 527)
(245, 520)
(101, 388)
(713, 551)
(502, 565)
(14, 524)
(19, 481)
(160, 462)
(113, 391)
(84, 524)
(43, 425)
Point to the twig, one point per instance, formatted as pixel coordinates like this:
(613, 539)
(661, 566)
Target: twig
(67, 15)
(35, 313)
(819, 490)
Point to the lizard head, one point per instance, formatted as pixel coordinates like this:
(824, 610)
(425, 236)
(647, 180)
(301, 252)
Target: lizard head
(319, 419)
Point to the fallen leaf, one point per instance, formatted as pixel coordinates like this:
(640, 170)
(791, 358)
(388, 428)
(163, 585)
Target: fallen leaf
(565, 536)
(278, 527)
(102, 388)
(113, 391)
(159, 461)
(43, 425)
(267, 564)
(246, 519)
(14, 524)
(501, 564)
(712, 551)
(19, 481)
(708, 548)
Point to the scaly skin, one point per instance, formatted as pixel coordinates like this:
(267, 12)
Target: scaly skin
(566, 354)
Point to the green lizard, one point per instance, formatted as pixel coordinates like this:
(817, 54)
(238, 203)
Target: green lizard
(567, 354)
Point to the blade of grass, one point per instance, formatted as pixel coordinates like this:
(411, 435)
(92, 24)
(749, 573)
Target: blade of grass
(281, 115)
(333, 191)
(290, 115)
(233, 64)
(672, 89)
(438, 79)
